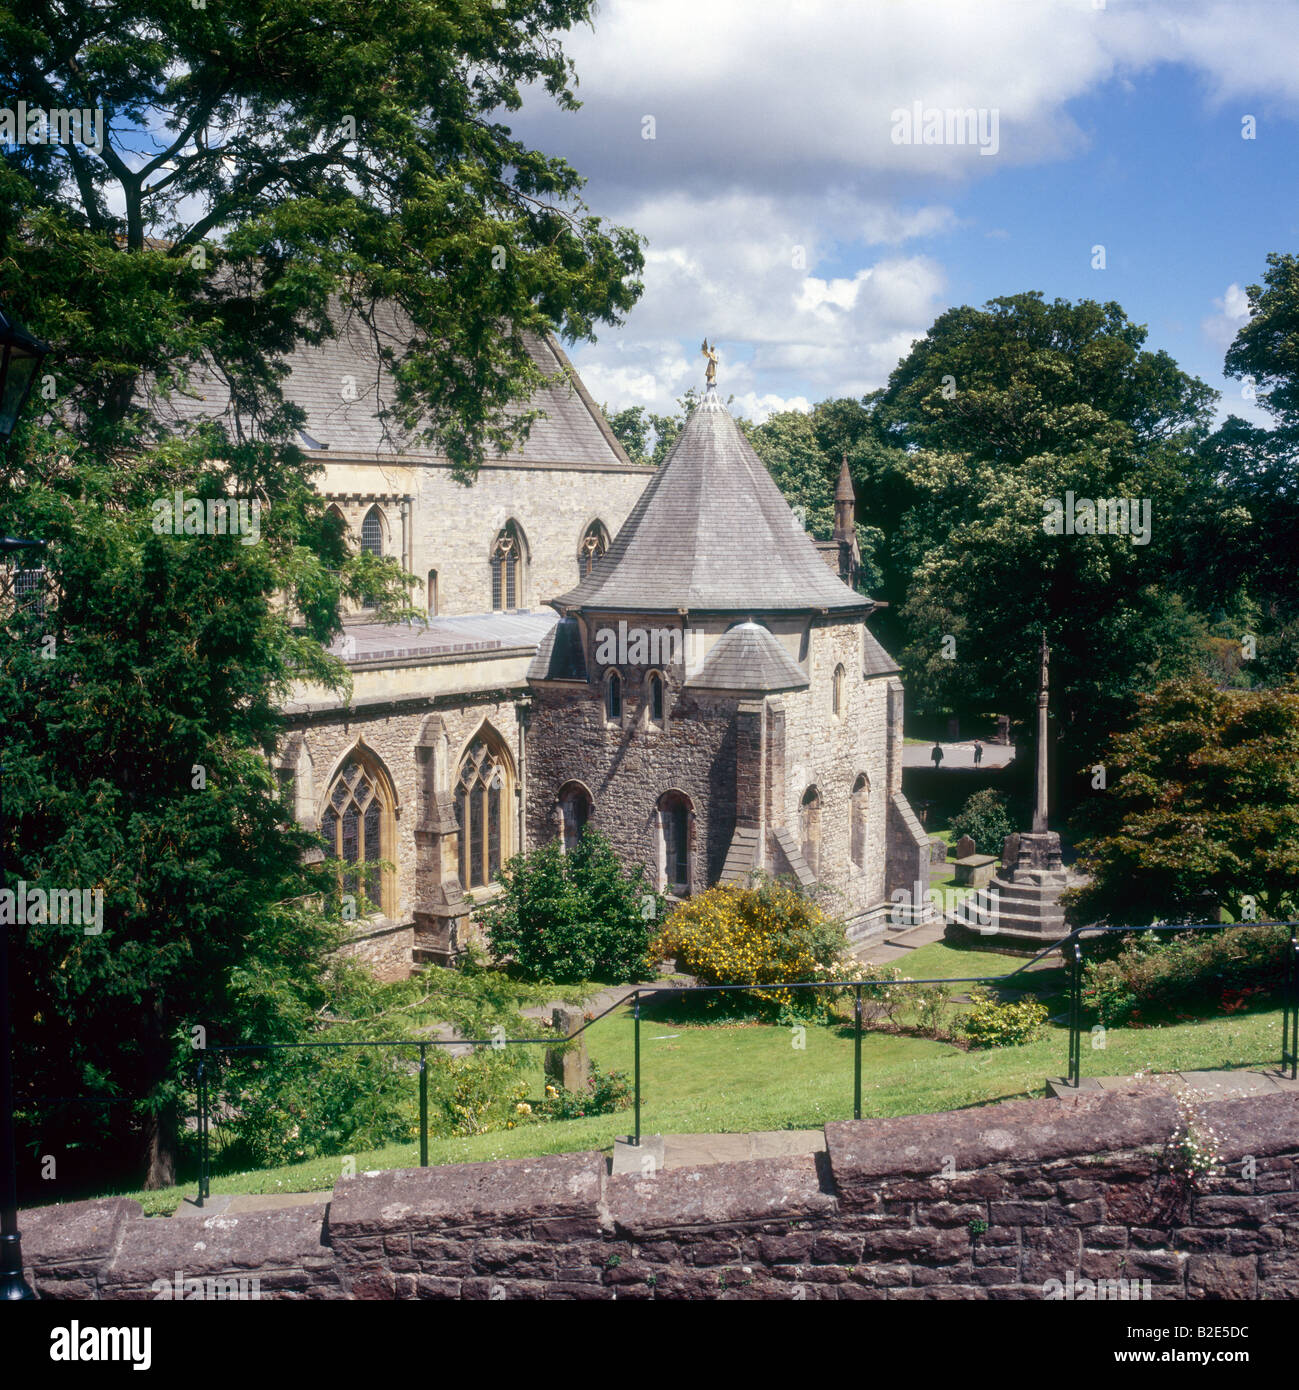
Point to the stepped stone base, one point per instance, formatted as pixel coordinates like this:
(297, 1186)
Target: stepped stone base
(1022, 903)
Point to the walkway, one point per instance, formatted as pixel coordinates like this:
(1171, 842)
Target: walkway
(958, 756)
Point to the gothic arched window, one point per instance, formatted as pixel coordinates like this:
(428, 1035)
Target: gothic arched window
(655, 701)
(836, 692)
(575, 807)
(507, 568)
(357, 827)
(675, 815)
(372, 532)
(483, 787)
(861, 797)
(810, 829)
(595, 541)
(613, 698)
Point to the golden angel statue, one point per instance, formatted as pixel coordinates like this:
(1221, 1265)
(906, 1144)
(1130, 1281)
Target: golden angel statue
(710, 376)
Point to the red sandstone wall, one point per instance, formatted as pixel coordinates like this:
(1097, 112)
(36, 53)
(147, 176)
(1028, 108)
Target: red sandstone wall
(991, 1203)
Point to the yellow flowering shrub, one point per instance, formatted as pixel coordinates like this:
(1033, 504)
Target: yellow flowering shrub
(766, 934)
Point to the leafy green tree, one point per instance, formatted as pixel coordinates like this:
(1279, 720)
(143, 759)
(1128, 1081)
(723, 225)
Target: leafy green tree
(985, 819)
(1201, 808)
(264, 173)
(259, 161)
(804, 451)
(1240, 548)
(994, 413)
(573, 916)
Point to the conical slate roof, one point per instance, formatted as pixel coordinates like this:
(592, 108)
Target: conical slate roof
(712, 533)
(748, 657)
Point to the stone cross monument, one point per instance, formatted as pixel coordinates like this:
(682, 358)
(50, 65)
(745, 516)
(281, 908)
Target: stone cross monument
(1022, 902)
(1040, 809)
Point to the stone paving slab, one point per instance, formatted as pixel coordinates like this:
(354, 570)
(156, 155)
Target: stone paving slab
(1199, 1085)
(239, 1203)
(698, 1150)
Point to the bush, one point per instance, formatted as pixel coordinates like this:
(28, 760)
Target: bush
(575, 916)
(606, 1092)
(283, 1106)
(1160, 973)
(882, 1004)
(763, 934)
(931, 1003)
(992, 1024)
(985, 820)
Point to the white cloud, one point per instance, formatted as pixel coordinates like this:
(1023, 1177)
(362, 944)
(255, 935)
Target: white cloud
(1233, 312)
(781, 216)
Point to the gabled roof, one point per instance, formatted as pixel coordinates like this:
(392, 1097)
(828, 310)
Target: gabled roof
(712, 533)
(341, 383)
(747, 657)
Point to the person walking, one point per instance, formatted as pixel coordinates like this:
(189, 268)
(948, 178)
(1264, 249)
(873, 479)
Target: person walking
(978, 752)
(937, 755)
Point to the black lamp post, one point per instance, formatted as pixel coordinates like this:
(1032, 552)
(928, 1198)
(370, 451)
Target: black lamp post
(20, 359)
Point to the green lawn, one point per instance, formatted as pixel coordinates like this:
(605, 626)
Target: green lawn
(752, 1076)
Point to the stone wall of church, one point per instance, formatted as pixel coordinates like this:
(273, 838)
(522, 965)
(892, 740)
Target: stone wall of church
(391, 734)
(627, 768)
(830, 752)
(452, 526)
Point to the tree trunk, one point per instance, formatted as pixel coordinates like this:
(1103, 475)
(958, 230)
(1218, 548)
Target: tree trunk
(160, 1148)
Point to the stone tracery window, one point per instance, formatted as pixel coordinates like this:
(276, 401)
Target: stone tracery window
(507, 568)
(595, 541)
(372, 532)
(357, 827)
(482, 811)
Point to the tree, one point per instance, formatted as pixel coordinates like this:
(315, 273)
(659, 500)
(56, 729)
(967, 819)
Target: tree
(264, 172)
(1201, 808)
(573, 916)
(996, 413)
(985, 819)
(258, 160)
(1239, 551)
(636, 426)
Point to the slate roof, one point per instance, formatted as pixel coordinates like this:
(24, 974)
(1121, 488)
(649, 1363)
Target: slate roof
(712, 533)
(875, 660)
(559, 656)
(572, 431)
(443, 637)
(748, 657)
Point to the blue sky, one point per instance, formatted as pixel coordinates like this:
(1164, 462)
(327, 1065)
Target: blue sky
(1119, 124)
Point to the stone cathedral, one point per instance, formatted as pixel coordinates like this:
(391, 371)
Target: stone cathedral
(663, 654)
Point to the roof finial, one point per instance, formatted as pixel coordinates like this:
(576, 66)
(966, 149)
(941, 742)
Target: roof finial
(710, 376)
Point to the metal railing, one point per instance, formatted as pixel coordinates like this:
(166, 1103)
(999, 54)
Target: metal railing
(1069, 948)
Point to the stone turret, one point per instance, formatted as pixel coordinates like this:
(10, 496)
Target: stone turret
(712, 687)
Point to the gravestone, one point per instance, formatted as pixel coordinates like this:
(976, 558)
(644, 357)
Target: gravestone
(965, 847)
(975, 870)
(937, 850)
(568, 1064)
(1003, 729)
(953, 729)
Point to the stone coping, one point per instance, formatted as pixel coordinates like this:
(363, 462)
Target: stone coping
(105, 1248)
